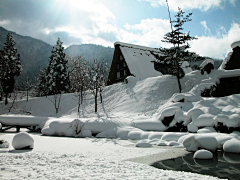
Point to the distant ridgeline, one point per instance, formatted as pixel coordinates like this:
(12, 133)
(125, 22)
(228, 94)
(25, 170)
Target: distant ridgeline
(227, 85)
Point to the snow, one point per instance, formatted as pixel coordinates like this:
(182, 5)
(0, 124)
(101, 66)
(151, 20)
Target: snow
(143, 143)
(206, 130)
(140, 60)
(84, 158)
(203, 154)
(130, 117)
(235, 44)
(207, 61)
(232, 146)
(225, 61)
(22, 120)
(22, 140)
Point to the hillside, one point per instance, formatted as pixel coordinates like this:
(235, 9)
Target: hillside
(91, 52)
(34, 54)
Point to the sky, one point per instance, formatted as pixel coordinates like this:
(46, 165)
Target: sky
(216, 23)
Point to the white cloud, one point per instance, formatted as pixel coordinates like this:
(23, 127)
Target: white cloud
(206, 29)
(216, 46)
(190, 4)
(148, 32)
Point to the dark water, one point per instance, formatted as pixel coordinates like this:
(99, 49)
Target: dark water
(223, 165)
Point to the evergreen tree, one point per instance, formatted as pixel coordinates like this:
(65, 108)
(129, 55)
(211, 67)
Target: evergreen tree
(41, 88)
(57, 80)
(10, 66)
(178, 53)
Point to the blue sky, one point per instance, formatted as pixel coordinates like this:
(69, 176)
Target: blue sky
(216, 23)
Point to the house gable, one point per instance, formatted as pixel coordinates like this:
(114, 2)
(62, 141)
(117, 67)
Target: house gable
(119, 69)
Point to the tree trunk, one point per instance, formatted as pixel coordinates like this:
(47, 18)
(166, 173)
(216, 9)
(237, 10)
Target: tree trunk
(81, 94)
(96, 100)
(6, 98)
(79, 103)
(179, 84)
(1, 97)
(100, 92)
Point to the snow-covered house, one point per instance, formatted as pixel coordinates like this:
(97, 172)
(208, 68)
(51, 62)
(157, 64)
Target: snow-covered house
(229, 84)
(135, 60)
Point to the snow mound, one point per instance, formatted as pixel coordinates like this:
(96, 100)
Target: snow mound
(232, 146)
(194, 142)
(206, 130)
(22, 140)
(143, 143)
(149, 125)
(235, 44)
(171, 136)
(203, 154)
(207, 61)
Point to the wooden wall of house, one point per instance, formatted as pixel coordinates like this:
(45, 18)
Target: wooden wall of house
(234, 61)
(226, 87)
(119, 70)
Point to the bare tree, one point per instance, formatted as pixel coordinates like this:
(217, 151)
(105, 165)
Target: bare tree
(56, 100)
(97, 79)
(78, 75)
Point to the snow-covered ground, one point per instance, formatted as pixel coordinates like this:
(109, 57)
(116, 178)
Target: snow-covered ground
(82, 158)
(125, 128)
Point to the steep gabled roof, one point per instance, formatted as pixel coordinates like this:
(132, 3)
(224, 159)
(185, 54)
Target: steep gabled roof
(139, 59)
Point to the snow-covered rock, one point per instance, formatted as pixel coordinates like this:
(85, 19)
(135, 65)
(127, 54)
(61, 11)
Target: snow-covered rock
(192, 128)
(123, 132)
(203, 154)
(206, 130)
(143, 143)
(23, 140)
(172, 136)
(232, 146)
(85, 133)
(207, 142)
(194, 142)
(190, 143)
(149, 125)
(109, 133)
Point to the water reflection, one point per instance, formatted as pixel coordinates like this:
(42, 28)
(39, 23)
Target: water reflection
(223, 165)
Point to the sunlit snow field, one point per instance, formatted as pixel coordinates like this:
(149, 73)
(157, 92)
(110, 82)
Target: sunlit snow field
(129, 116)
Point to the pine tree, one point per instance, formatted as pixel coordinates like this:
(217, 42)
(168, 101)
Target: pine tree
(10, 66)
(41, 88)
(178, 53)
(57, 80)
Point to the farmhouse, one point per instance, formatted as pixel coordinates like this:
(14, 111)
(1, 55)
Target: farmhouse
(138, 61)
